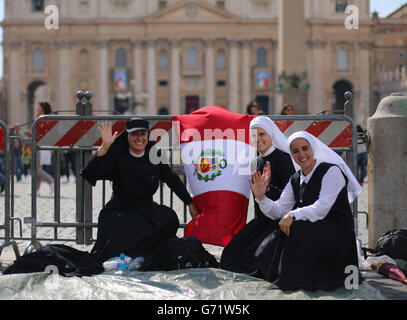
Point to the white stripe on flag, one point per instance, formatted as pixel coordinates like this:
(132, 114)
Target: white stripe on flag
(231, 175)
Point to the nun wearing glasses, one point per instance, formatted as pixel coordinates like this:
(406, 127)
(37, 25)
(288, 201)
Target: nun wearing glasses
(238, 255)
(315, 239)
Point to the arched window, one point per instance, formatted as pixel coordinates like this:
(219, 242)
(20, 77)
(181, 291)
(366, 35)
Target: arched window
(220, 59)
(261, 57)
(121, 58)
(84, 60)
(37, 5)
(163, 60)
(340, 5)
(38, 60)
(192, 58)
(342, 59)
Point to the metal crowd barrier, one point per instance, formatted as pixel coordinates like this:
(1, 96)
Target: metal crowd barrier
(8, 175)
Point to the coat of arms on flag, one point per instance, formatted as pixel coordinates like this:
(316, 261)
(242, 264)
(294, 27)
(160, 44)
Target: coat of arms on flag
(216, 153)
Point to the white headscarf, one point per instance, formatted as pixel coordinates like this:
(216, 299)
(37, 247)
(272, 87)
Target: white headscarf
(277, 137)
(325, 154)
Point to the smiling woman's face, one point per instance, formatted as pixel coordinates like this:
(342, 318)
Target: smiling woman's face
(264, 141)
(303, 155)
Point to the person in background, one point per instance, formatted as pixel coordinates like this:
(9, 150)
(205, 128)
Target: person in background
(43, 109)
(253, 108)
(362, 158)
(288, 109)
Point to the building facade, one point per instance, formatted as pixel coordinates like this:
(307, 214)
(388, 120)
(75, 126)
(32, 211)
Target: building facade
(174, 56)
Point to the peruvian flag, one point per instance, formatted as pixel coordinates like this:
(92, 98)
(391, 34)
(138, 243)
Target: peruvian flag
(216, 152)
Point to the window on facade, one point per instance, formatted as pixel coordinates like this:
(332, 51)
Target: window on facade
(162, 5)
(84, 60)
(192, 58)
(261, 57)
(121, 58)
(37, 5)
(38, 60)
(342, 59)
(163, 60)
(341, 5)
(220, 4)
(220, 59)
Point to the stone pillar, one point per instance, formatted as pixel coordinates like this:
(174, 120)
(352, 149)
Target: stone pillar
(316, 96)
(246, 75)
(64, 82)
(103, 94)
(387, 167)
(209, 73)
(175, 106)
(362, 111)
(151, 77)
(14, 85)
(233, 76)
(137, 68)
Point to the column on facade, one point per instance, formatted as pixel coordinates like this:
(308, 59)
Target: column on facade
(103, 87)
(316, 96)
(364, 71)
(233, 76)
(246, 79)
(151, 77)
(64, 89)
(209, 72)
(14, 84)
(175, 97)
(137, 69)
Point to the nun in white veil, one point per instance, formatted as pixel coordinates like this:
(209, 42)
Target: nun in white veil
(315, 240)
(238, 255)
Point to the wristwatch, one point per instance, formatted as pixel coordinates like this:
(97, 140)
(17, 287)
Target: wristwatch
(291, 215)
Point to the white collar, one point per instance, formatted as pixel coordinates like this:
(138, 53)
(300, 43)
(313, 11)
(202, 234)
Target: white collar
(309, 175)
(269, 151)
(136, 155)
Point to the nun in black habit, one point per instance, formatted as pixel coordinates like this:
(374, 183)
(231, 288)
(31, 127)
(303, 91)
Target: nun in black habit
(131, 222)
(238, 255)
(315, 240)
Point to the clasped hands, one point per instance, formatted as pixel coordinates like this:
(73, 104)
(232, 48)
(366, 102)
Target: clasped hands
(259, 184)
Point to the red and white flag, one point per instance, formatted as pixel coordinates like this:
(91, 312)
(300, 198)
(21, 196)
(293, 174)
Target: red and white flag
(216, 152)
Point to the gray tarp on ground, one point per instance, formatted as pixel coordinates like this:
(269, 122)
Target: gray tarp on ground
(187, 284)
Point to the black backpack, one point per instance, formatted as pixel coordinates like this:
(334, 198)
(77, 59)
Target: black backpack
(393, 243)
(180, 253)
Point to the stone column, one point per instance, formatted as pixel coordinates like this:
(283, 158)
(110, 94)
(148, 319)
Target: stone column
(151, 77)
(103, 87)
(362, 111)
(175, 105)
(64, 82)
(16, 110)
(209, 73)
(233, 76)
(137, 68)
(316, 96)
(246, 75)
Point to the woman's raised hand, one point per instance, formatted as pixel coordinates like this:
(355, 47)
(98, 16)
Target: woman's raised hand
(108, 138)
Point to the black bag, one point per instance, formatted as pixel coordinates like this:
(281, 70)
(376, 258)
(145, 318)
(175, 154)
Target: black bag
(180, 253)
(393, 243)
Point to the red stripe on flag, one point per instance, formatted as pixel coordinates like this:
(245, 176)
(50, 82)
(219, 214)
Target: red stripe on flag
(75, 133)
(317, 127)
(344, 139)
(222, 215)
(43, 127)
(1, 139)
(118, 126)
(283, 125)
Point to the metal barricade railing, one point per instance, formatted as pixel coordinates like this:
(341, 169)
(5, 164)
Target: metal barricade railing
(8, 175)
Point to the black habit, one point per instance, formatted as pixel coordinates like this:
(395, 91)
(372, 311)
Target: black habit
(238, 255)
(315, 255)
(131, 222)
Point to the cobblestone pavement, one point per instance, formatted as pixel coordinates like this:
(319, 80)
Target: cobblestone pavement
(45, 212)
